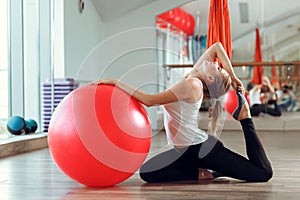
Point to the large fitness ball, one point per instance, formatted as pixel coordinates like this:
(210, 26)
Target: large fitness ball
(16, 125)
(99, 135)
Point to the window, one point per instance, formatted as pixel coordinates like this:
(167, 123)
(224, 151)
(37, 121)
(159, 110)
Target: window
(25, 58)
(31, 59)
(3, 64)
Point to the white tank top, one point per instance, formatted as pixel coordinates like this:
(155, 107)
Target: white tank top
(181, 123)
(254, 97)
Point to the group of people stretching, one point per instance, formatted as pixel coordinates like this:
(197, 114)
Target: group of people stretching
(270, 99)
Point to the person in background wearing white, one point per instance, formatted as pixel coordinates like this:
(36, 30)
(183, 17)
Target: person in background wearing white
(263, 99)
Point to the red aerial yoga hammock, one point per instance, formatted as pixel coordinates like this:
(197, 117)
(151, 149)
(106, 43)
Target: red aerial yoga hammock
(258, 71)
(219, 25)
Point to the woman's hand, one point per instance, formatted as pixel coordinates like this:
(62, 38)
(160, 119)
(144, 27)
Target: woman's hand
(237, 84)
(109, 81)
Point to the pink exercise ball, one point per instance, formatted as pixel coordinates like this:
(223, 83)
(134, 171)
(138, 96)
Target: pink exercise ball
(231, 101)
(99, 135)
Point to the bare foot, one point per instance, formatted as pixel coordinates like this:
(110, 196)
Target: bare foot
(245, 112)
(205, 175)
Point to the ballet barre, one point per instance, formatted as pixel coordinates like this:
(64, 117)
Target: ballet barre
(241, 64)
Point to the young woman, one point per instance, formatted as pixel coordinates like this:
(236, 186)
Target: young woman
(194, 149)
(269, 104)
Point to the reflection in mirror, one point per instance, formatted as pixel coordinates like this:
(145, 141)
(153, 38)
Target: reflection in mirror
(182, 38)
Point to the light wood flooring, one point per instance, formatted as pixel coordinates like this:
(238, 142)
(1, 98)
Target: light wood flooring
(34, 175)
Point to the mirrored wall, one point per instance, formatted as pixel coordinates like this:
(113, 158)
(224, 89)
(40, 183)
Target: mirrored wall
(182, 37)
(278, 25)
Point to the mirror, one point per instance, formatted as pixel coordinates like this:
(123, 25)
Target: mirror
(182, 35)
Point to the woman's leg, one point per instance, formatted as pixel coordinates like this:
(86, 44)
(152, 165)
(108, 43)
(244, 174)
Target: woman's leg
(183, 164)
(256, 168)
(285, 104)
(263, 108)
(180, 164)
(172, 165)
(276, 111)
(254, 148)
(256, 109)
(293, 105)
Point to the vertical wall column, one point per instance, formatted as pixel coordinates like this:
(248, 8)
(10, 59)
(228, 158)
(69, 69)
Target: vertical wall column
(16, 59)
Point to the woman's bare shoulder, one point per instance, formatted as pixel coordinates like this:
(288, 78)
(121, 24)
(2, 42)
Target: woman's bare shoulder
(195, 83)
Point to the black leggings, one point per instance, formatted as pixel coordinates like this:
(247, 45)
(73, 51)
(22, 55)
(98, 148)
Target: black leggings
(256, 109)
(182, 164)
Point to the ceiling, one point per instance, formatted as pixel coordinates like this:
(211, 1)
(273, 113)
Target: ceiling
(278, 20)
(112, 9)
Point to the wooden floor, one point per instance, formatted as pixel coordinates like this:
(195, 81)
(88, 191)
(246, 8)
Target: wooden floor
(35, 176)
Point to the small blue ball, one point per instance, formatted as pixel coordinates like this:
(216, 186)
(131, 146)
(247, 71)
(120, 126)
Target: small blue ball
(16, 125)
(31, 126)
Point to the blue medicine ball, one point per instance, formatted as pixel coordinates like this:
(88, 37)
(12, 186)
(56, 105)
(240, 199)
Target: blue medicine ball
(31, 126)
(16, 125)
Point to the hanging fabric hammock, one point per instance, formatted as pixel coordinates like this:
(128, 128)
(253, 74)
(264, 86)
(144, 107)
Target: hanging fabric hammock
(258, 71)
(219, 25)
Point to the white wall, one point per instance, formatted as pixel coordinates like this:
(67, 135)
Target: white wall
(143, 17)
(3, 61)
(31, 67)
(57, 40)
(123, 48)
(82, 32)
(141, 63)
(116, 54)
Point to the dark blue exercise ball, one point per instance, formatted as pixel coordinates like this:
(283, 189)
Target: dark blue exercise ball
(16, 125)
(31, 126)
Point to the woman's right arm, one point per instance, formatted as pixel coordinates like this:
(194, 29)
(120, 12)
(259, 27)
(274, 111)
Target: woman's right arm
(225, 61)
(217, 51)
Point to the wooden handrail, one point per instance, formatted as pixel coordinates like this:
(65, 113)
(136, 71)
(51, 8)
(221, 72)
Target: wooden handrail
(241, 64)
(267, 64)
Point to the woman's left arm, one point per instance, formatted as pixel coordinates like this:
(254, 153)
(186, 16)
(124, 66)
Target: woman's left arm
(167, 96)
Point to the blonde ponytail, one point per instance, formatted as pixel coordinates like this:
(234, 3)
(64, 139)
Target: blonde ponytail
(214, 115)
